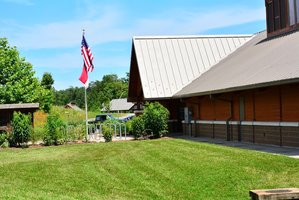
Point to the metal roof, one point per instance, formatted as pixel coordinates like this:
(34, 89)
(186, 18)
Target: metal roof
(260, 62)
(19, 106)
(167, 64)
(72, 106)
(120, 104)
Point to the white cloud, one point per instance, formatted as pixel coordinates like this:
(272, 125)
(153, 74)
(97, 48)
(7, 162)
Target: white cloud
(109, 27)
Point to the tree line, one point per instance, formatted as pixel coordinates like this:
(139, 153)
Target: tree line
(99, 93)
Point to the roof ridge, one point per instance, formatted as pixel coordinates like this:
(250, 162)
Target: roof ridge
(193, 36)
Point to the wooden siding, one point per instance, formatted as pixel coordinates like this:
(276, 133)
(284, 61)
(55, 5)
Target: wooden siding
(277, 103)
(290, 102)
(207, 109)
(222, 109)
(267, 105)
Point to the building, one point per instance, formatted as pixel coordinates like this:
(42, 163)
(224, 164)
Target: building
(72, 106)
(121, 105)
(243, 88)
(7, 110)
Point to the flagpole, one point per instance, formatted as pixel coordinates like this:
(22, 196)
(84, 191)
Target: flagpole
(86, 114)
(86, 108)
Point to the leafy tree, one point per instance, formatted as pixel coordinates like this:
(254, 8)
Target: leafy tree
(47, 92)
(47, 81)
(46, 99)
(17, 81)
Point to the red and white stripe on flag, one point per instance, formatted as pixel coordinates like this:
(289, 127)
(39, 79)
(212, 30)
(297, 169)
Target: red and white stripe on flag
(87, 58)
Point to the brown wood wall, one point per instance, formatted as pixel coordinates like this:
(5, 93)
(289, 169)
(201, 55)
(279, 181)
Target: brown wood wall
(290, 102)
(277, 103)
(267, 105)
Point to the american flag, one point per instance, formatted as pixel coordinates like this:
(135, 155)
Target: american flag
(87, 55)
(87, 64)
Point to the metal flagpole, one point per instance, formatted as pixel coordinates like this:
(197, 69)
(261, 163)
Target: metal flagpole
(86, 114)
(86, 109)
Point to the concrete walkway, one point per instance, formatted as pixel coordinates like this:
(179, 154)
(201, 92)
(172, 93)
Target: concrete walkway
(292, 152)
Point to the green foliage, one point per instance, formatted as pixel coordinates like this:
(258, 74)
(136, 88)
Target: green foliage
(17, 81)
(47, 81)
(46, 93)
(55, 130)
(137, 125)
(46, 99)
(3, 137)
(107, 133)
(155, 118)
(76, 131)
(98, 93)
(22, 128)
(37, 134)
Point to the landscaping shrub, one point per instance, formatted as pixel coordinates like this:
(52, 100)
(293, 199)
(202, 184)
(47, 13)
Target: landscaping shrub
(129, 126)
(3, 139)
(55, 130)
(107, 133)
(75, 131)
(137, 126)
(155, 118)
(22, 129)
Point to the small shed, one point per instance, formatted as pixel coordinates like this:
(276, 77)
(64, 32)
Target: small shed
(73, 106)
(6, 111)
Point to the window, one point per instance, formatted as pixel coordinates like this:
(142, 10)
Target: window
(293, 12)
(276, 15)
(282, 16)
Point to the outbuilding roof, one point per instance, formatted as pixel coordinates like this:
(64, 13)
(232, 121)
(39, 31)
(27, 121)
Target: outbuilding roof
(168, 64)
(260, 62)
(73, 106)
(19, 106)
(120, 105)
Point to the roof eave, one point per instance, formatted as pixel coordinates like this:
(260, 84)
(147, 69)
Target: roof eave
(234, 89)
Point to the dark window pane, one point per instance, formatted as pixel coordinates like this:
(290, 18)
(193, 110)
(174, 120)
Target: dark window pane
(276, 15)
(270, 17)
(283, 13)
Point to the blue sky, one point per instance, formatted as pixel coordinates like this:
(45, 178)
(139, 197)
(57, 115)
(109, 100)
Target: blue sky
(48, 33)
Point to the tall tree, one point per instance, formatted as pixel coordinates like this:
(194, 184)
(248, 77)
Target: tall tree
(47, 97)
(17, 81)
(47, 81)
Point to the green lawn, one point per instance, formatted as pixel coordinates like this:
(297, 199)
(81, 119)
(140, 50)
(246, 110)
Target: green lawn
(157, 169)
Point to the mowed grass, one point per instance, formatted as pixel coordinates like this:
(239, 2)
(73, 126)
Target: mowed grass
(157, 169)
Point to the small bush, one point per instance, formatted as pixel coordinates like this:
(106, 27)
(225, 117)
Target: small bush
(55, 131)
(137, 126)
(107, 133)
(155, 118)
(76, 132)
(129, 126)
(22, 128)
(3, 137)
